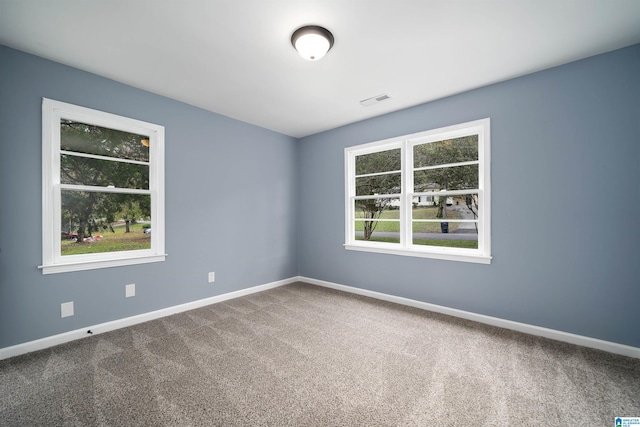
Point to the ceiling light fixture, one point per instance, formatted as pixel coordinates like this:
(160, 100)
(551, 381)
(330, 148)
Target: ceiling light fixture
(312, 42)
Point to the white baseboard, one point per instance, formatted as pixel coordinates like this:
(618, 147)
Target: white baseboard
(608, 346)
(101, 328)
(51, 341)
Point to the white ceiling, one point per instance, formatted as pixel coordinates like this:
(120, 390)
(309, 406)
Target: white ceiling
(234, 57)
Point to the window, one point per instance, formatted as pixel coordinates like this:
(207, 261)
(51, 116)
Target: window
(425, 194)
(102, 189)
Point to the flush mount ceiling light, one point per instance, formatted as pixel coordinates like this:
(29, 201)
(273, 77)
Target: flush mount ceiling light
(312, 42)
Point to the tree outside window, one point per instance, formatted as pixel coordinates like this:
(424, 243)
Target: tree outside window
(118, 160)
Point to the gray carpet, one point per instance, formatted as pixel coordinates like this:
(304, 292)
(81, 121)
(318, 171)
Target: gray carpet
(302, 355)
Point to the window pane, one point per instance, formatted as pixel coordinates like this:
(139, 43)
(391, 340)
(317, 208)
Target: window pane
(382, 161)
(451, 238)
(94, 222)
(103, 173)
(378, 231)
(447, 151)
(378, 208)
(91, 139)
(451, 178)
(379, 184)
(439, 207)
(373, 210)
(448, 230)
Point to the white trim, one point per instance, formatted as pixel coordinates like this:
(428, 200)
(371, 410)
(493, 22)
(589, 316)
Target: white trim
(115, 190)
(611, 347)
(52, 259)
(95, 264)
(445, 192)
(65, 337)
(51, 341)
(107, 158)
(447, 165)
(366, 175)
(391, 249)
(378, 196)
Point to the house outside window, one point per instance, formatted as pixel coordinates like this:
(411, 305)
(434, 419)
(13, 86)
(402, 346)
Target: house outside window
(425, 194)
(103, 189)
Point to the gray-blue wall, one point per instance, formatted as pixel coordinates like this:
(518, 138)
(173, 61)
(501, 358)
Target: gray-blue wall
(256, 206)
(565, 202)
(230, 205)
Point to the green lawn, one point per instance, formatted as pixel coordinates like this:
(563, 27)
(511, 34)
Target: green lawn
(110, 242)
(418, 227)
(471, 244)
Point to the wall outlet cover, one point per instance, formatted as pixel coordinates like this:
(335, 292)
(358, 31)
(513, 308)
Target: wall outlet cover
(66, 309)
(130, 290)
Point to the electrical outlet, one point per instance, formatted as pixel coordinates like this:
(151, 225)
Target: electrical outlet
(66, 309)
(130, 290)
(212, 277)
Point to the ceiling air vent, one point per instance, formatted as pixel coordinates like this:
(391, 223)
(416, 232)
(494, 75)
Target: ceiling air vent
(374, 100)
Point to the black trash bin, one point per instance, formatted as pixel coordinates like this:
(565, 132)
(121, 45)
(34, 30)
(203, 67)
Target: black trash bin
(444, 227)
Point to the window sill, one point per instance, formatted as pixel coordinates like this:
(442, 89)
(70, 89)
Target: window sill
(95, 264)
(444, 254)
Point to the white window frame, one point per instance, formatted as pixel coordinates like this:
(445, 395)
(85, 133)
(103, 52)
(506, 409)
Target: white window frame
(52, 260)
(482, 254)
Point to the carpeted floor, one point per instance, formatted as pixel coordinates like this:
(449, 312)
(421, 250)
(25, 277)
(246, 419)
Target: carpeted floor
(301, 355)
